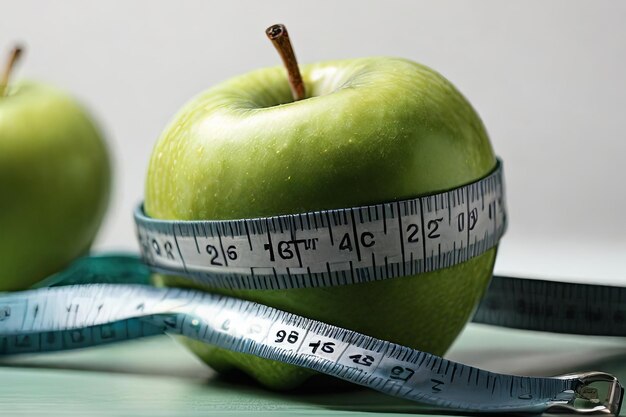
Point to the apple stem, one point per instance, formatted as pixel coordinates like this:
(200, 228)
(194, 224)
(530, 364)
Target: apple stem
(280, 38)
(14, 56)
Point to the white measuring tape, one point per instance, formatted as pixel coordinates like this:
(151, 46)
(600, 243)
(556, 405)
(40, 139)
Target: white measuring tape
(331, 247)
(325, 248)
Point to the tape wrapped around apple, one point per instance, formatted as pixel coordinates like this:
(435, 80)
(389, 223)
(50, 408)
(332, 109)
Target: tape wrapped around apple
(54, 180)
(366, 131)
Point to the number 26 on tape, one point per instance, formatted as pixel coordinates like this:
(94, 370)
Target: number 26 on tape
(214, 254)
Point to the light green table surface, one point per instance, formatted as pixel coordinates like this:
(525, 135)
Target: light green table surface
(158, 377)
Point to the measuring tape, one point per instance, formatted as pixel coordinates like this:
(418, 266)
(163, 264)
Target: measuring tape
(331, 247)
(101, 300)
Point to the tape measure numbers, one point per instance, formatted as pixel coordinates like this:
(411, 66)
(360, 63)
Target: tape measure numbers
(333, 247)
(69, 317)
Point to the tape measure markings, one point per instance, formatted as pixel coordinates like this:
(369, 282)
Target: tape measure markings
(80, 316)
(553, 306)
(331, 247)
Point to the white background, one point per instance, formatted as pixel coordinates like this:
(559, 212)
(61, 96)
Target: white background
(548, 78)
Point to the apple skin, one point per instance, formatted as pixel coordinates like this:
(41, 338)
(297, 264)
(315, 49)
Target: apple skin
(372, 130)
(54, 183)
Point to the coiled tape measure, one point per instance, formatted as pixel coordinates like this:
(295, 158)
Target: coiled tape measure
(105, 299)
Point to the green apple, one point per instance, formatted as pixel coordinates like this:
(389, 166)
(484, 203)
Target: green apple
(370, 130)
(54, 182)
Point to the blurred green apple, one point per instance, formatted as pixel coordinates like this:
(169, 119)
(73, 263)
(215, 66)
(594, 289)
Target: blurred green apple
(54, 182)
(370, 130)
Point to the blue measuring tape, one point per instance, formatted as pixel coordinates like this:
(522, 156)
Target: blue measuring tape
(106, 299)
